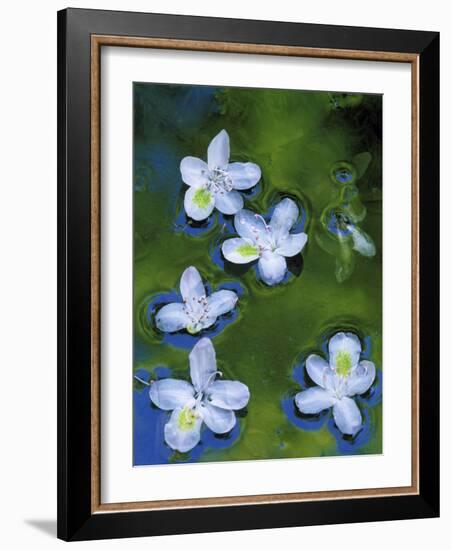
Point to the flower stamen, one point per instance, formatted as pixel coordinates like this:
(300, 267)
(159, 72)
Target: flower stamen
(219, 181)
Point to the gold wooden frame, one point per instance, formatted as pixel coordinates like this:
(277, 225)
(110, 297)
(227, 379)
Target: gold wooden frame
(97, 41)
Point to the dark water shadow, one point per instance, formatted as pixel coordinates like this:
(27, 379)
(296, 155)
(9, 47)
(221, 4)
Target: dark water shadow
(345, 444)
(149, 447)
(182, 338)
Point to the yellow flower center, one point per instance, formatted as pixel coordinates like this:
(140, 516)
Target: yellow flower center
(343, 363)
(202, 198)
(247, 250)
(186, 419)
(192, 329)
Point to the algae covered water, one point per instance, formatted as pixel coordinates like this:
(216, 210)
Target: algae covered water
(323, 152)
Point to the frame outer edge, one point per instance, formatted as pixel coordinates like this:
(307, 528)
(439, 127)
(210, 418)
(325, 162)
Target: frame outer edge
(429, 279)
(74, 296)
(75, 522)
(62, 496)
(195, 27)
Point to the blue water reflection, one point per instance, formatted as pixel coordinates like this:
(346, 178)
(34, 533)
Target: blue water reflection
(312, 422)
(149, 446)
(294, 264)
(184, 339)
(184, 224)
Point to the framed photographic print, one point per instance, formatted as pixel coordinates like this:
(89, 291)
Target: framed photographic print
(248, 274)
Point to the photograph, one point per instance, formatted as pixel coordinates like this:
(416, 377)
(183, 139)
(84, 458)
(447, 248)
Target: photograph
(257, 273)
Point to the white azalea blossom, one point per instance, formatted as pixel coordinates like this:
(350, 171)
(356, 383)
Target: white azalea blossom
(206, 400)
(215, 184)
(338, 381)
(269, 243)
(198, 311)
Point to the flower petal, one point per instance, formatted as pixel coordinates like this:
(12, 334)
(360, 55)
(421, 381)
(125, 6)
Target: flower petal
(272, 267)
(347, 416)
(221, 302)
(291, 245)
(361, 379)
(202, 360)
(363, 243)
(228, 394)
(171, 318)
(344, 347)
(169, 394)
(244, 174)
(193, 293)
(314, 400)
(229, 202)
(333, 382)
(191, 285)
(182, 432)
(194, 171)
(206, 322)
(317, 367)
(199, 203)
(251, 226)
(220, 421)
(240, 251)
(284, 217)
(219, 151)
(217, 304)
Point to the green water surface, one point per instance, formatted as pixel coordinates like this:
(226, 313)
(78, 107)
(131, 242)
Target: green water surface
(295, 137)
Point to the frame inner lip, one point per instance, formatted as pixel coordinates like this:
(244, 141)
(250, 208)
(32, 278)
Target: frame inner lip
(99, 40)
